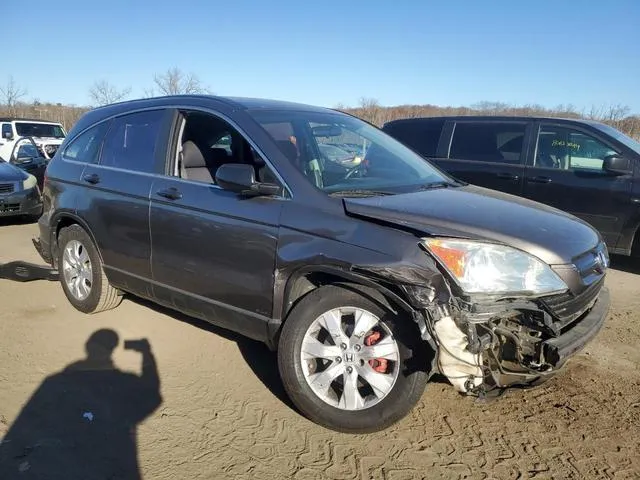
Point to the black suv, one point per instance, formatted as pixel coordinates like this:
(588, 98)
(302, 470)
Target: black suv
(314, 232)
(583, 167)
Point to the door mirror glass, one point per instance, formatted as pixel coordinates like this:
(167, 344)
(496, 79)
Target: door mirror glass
(616, 164)
(241, 178)
(7, 134)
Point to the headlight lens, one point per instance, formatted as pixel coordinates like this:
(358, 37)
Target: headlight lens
(29, 183)
(494, 269)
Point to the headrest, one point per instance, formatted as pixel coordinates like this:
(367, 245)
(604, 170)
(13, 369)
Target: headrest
(192, 156)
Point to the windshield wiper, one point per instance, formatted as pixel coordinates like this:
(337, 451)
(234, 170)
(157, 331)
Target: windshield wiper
(358, 193)
(434, 185)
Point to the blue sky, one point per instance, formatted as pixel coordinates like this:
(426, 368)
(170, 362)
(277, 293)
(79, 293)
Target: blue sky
(548, 52)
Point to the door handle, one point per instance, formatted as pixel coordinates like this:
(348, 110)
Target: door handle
(507, 176)
(91, 178)
(539, 179)
(170, 193)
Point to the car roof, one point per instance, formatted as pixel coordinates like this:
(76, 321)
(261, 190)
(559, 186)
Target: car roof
(240, 103)
(18, 119)
(517, 118)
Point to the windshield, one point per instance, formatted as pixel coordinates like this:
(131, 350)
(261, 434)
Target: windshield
(621, 137)
(340, 153)
(26, 129)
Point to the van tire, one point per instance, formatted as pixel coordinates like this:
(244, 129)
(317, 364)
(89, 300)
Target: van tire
(102, 296)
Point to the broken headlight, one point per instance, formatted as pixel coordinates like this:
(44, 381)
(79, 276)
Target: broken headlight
(489, 268)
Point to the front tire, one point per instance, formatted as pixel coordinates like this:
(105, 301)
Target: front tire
(81, 274)
(350, 364)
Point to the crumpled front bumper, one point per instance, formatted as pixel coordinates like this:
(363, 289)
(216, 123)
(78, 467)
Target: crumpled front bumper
(557, 350)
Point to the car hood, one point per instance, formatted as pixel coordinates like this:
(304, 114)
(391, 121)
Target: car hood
(482, 214)
(9, 173)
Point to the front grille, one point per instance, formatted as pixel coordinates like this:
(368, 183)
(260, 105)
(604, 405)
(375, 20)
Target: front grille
(6, 187)
(9, 207)
(567, 307)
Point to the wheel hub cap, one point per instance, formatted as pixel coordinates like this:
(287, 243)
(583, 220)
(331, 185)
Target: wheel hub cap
(77, 271)
(350, 358)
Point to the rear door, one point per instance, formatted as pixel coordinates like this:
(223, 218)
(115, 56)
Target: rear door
(116, 204)
(490, 153)
(565, 171)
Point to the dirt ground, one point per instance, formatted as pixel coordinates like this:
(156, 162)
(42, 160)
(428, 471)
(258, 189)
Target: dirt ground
(222, 412)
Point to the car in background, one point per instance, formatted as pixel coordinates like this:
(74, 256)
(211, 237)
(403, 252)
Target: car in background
(19, 192)
(47, 136)
(582, 167)
(26, 156)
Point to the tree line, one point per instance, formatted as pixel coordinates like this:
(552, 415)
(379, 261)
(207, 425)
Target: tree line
(174, 81)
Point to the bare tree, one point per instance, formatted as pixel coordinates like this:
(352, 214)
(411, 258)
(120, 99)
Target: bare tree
(103, 93)
(176, 82)
(12, 94)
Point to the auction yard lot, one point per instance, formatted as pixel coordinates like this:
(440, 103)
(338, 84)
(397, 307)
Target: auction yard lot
(224, 414)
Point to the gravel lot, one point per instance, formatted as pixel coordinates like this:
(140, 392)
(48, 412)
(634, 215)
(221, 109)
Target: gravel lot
(220, 411)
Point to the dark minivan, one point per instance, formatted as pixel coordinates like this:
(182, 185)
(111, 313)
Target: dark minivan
(583, 167)
(365, 267)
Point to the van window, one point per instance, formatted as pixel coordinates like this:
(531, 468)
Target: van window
(421, 136)
(131, 141)
(499, 142)
(86, 146)
(569, 149)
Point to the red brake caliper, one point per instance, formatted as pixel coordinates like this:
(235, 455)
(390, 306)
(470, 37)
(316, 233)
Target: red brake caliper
(378, 364)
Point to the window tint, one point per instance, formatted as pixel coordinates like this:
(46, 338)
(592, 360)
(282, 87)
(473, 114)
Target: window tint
(499, 142)
(6, 129)
(569, 149)
(421, 136)
(131, 141)
(86, 146)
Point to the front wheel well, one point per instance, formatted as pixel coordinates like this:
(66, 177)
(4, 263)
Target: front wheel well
(304, 284)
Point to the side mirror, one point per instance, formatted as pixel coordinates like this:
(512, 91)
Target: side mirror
(616, 165)
(7, 135)
(241, 178)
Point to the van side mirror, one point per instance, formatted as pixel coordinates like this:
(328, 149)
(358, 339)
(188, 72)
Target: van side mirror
(616, 165)
(241, 178)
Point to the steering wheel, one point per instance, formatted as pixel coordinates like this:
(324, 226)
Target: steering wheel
(353, 170)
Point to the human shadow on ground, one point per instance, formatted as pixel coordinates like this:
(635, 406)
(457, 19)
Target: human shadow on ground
(81, 422)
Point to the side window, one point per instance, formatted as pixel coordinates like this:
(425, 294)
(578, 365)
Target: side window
(209, 142)
(568, 149)
(423, 137)
(6, 130)
(499, 142)
(86, 146)
(131, 141)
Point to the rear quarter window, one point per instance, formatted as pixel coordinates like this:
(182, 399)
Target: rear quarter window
(499, 142)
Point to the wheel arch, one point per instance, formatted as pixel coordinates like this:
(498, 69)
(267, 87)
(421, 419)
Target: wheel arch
(63, 220)
(307, 279)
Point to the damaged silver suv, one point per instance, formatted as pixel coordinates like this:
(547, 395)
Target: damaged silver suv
(367, 268)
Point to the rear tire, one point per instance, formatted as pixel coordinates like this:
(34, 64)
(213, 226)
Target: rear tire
(353, 397)
(81, 274)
